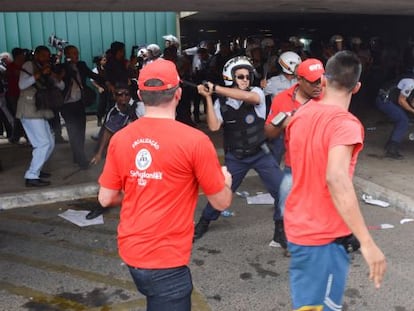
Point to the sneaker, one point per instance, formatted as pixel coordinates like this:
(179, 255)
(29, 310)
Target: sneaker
(279, 234)
(201, 228)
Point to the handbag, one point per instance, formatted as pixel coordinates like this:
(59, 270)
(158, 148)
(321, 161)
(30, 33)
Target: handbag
(48, 98)
(47, 95)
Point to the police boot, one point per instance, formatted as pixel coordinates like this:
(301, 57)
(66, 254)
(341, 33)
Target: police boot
(392, 151)
(279, 234)
(201, 228)
(97, 211)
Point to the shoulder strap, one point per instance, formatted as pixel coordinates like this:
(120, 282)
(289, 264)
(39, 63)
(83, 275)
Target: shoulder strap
(25, 71)
(223, 106)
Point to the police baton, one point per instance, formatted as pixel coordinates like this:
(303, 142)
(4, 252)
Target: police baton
(192, 84)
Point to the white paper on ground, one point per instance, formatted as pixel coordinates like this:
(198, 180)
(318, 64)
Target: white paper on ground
(405, 220)
(370, 200)
(78, 218)
(264, 198)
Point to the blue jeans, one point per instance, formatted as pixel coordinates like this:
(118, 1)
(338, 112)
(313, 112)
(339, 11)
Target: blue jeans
(285, 187)
(278, 147)
(397, 115)
(40, 136)
(165, 289)
(267, 168)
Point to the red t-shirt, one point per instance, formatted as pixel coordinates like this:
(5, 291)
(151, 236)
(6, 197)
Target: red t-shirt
(159, 164)
(310, 216)
(283, 102)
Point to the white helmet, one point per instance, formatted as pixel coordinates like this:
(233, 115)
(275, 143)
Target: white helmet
(232, 65)
(154, 51)
(172, 39)
(289, 61)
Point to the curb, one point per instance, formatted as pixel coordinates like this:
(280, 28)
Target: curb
(51, 195)
(398, 201)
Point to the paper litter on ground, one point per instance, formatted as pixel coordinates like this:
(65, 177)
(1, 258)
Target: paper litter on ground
(78, 218)
(370, 200)
(381, 226)
(405, 220)
(264, 198)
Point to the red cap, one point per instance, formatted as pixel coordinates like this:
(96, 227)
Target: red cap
(160, 69)
(310, 69)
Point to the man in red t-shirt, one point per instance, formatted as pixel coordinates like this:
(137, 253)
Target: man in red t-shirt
(154, 168)
(284, 104)
(322, 210)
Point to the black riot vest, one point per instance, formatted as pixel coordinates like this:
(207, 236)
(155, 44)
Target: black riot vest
(243, 129)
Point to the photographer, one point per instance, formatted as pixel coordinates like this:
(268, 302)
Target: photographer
(73, 110)
(35, 74)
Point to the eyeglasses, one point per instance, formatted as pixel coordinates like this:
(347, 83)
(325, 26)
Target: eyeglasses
(314, 83)
(124, 93)
(242, 77)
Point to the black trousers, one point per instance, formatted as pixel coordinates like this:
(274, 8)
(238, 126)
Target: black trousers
(75, 121)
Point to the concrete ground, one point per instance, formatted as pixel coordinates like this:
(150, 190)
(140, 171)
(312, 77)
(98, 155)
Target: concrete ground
(48, 263)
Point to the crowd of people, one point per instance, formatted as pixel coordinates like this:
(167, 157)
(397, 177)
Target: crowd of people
(278, 104)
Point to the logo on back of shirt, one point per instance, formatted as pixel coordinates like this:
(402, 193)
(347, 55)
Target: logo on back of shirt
(143, 159)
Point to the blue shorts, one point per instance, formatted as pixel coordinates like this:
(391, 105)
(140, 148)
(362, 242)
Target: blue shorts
(318, 276)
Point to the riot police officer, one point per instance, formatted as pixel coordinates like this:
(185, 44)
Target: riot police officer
(241, 110)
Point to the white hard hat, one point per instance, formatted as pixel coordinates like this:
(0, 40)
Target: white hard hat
(232, 65)
(289, 61)
(154, 50)
(173, 39)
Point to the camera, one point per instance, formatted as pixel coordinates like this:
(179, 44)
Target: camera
(143, 53)
(5, 59)
(3, 65)
(56, 42)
